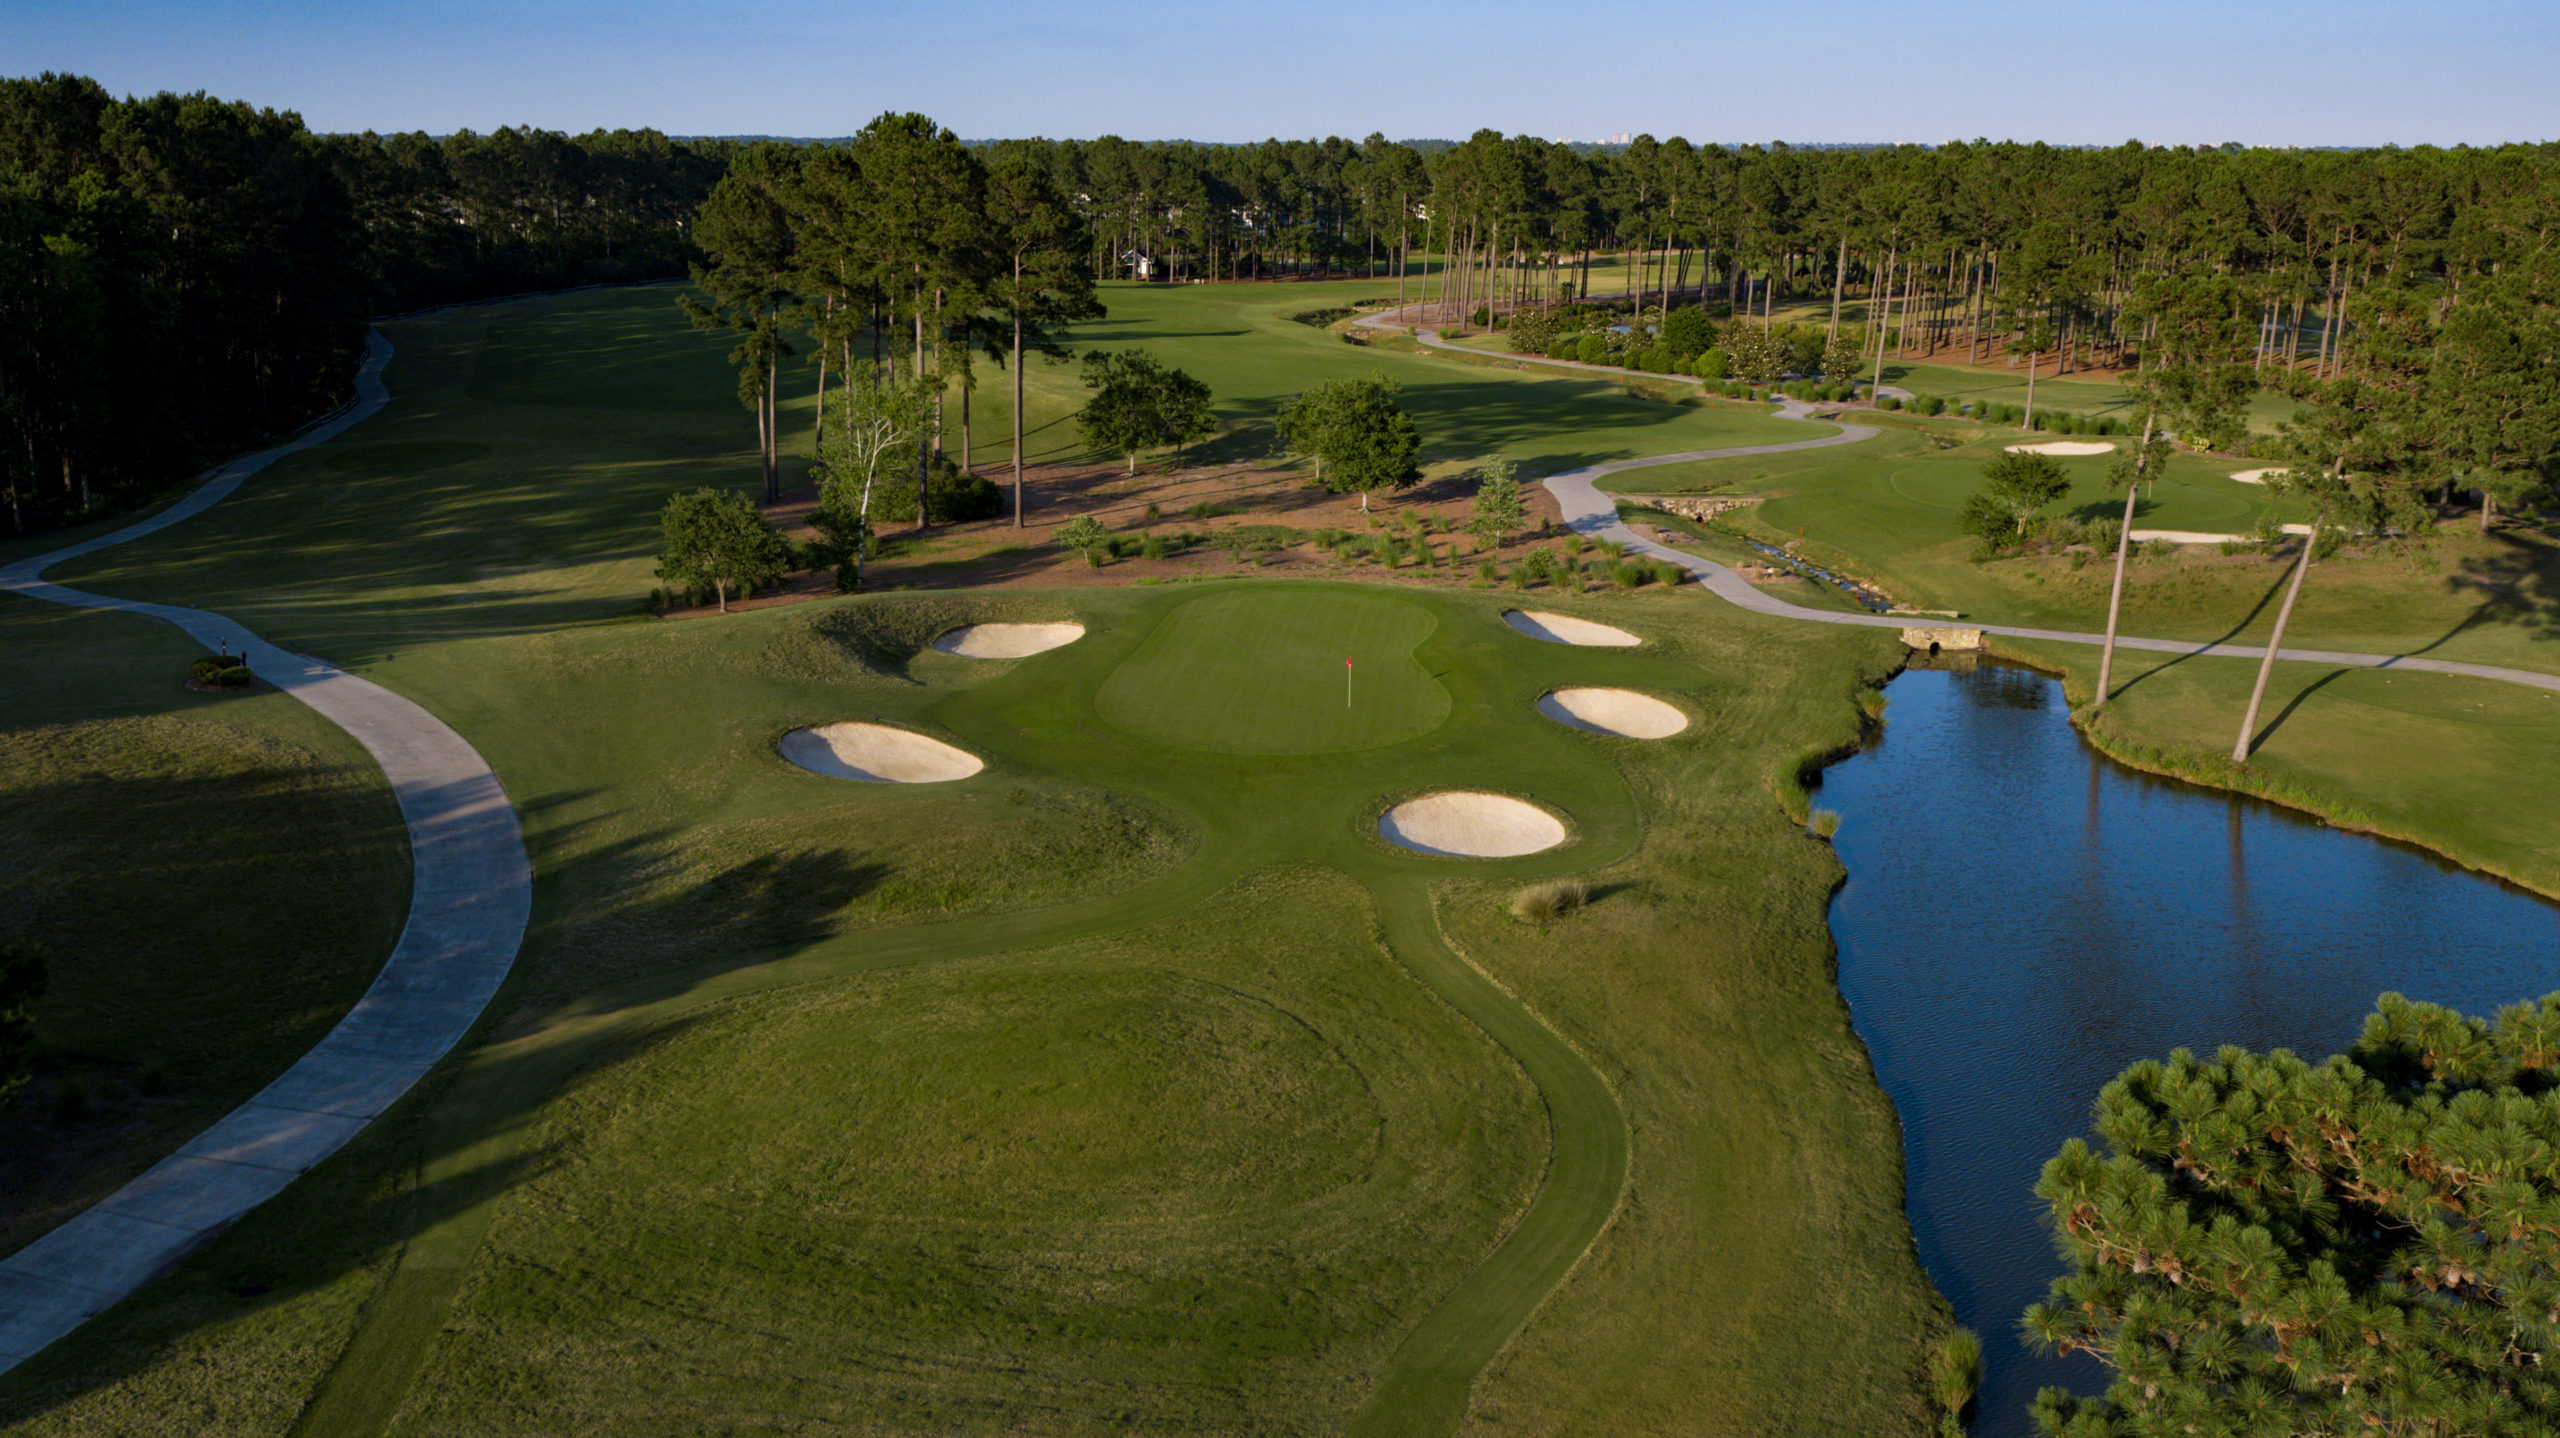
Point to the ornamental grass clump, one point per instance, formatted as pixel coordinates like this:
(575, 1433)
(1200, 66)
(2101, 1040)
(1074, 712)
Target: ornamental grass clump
(1543, 904)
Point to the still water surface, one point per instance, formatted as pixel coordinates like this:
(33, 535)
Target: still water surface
(2023, 918)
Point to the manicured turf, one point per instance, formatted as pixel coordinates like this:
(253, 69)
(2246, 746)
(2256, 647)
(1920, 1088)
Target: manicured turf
(1133, 1083)
(1243, 674)
(1886, 510)
(2467, 767)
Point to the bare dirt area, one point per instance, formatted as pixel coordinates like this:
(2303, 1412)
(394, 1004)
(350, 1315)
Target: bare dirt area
(1239, 518)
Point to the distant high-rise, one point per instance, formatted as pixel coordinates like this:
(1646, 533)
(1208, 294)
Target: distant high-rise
(1620, 138)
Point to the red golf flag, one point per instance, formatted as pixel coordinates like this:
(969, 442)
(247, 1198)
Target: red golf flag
(1346, 661)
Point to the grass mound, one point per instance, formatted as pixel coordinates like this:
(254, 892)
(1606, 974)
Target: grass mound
(1262, 673)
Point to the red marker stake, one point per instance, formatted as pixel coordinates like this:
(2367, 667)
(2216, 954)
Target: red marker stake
(1346, 681)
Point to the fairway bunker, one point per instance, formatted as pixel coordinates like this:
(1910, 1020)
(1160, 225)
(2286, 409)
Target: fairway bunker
(2064, 448)
(1006, 641)
(1620, 713)
(2256, 476)
(877, 754)
(1564, 629)
(1465, 824)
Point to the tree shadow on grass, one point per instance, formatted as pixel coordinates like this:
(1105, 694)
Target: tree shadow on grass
(461, 1139)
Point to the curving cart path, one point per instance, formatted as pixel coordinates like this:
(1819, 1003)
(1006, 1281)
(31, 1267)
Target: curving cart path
(471, 893)
(1588, 509)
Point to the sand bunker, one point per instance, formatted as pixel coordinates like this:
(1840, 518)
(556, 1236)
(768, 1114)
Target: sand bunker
(877, 754)
(2064, 447)
(1562, 629)
(1006, 641)
(2255, 476)
(1621, 712)
(1465, 825)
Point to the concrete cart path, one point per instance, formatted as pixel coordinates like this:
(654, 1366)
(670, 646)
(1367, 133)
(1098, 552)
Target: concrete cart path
(1590, 510)
(471, 893)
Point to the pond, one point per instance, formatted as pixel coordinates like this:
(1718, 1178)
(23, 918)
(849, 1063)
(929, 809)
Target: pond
(2023, 918)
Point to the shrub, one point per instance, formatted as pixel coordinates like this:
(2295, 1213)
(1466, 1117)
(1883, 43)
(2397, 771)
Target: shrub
(951, 494)
(1825, 823)
(1714, 364)
(1084, 532)
(1889, 402)
(235, 677)
(1628, 575)
(1543, 904)
(1152, 548)
(1591, 349)
(203, 671)
(1569, 347)
(1487, 570)
(1934, 406)
(1686, 333)
(1153, 513)
(1668, 574)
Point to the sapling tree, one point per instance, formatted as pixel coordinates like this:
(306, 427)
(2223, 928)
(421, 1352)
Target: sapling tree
(1087, 536)
(2259, 1244)
(1360, 436)
(715, 537)
(1498, 509)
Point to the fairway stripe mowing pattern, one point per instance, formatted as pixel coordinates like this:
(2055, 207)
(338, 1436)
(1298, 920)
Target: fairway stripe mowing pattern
(471, 892)
(1590, 510)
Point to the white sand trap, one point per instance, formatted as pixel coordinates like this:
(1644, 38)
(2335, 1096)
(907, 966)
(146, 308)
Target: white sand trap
(1465, 825)
(877, 754)
(1621, 712)
(2064, 447)
(1564, 629)
(1006, 641)
(2255, 476)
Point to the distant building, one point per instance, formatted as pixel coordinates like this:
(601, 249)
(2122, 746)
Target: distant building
(1620, 138)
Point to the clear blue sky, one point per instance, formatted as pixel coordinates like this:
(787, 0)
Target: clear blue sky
(2302, 72)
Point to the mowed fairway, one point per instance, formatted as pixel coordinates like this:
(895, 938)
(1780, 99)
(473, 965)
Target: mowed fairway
(1250, 675)
(1133, 1083)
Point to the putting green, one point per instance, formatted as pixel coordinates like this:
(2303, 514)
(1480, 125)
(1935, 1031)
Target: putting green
(1262, 673)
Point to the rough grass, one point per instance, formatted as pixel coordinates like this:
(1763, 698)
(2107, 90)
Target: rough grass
(218, 878)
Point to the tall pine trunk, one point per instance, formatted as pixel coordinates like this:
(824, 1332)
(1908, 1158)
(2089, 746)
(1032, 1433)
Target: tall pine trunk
(2267, 663)
(2124, 543)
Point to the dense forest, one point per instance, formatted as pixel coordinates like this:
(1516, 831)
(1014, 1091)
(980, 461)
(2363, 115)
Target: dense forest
(182, 277)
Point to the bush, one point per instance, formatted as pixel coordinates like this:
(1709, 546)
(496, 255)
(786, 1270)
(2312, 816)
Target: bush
(204, 670)
(1714, 364)
(1482, 318)
(1628, 575)
(1888, 402)
(1151, 548)
(1486, 570)
(1543, 904)
(1569, 347)
(235, 677)
(1668, 574)
(1591, 349)
(952, 496)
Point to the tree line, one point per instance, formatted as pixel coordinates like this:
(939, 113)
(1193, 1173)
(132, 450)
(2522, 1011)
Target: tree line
(182, 277)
